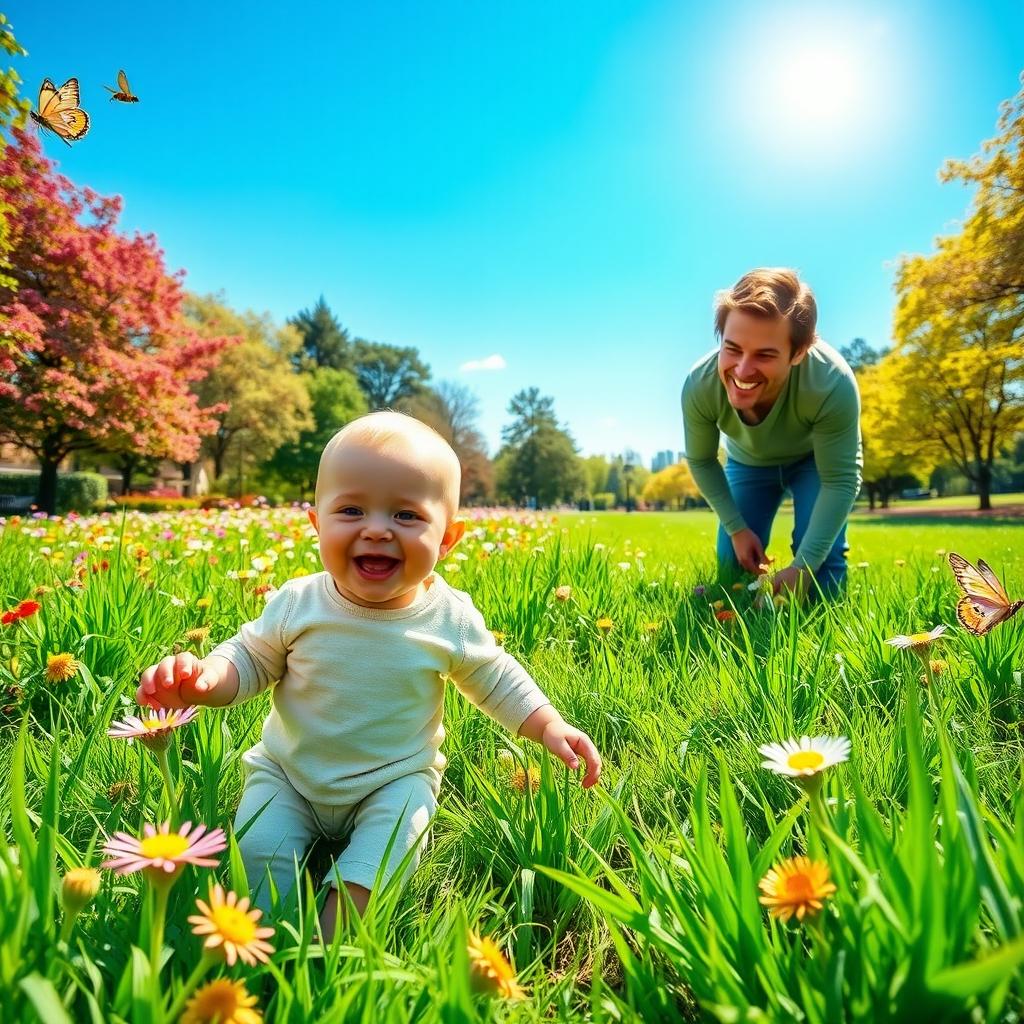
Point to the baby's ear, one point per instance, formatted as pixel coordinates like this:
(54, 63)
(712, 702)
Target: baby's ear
(452, 536)
(311, 512)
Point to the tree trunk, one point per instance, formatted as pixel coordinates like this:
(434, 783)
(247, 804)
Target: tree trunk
(46, 499)
(186, 479)
(127, 469)
(984, 486)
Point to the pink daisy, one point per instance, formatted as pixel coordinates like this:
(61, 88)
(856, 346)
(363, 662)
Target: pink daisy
(163, 853)
(153, 728)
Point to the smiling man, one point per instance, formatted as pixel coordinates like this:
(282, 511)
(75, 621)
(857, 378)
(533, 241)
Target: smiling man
(789, 408)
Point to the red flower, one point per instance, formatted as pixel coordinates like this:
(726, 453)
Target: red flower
(8, 617)
(725, 616)
(27, 608)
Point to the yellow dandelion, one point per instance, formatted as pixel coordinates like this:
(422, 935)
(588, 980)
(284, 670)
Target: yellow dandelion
(523, 777)
(798, 886)
(499, 637)
(60, 667)
(204, 602)
(489, 971)
(78, 888)
(919, 643)
(605, 625)
(197, 636)
(231, 928)
(221, 1002)
(653, 626)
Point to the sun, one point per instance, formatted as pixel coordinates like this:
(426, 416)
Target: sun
(820, 87)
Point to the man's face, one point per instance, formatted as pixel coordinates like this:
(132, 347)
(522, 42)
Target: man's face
(754, 361)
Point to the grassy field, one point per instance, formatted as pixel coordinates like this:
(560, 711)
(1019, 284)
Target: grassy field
(636, 902)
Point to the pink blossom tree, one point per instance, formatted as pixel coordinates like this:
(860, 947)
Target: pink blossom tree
(95, 351)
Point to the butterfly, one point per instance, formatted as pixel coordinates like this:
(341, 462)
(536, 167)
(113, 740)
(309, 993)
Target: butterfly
(124, 91)
(984, 603)
(59, 111)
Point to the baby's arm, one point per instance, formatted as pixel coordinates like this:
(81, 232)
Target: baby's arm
(183, 680)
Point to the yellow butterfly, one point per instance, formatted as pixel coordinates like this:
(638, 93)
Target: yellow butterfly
(123, 92)
(59, 111)
(984, 603)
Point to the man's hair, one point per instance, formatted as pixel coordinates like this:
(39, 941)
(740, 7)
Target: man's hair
(388, 430)
(772, 293)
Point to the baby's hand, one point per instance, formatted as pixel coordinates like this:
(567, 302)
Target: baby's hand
(570, 744)
(162, 685)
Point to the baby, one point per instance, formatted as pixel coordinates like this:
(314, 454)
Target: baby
(358, 657)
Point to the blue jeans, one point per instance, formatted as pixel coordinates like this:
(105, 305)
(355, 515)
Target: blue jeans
(758, 493)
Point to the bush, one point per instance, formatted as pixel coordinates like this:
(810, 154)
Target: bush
(155, 503)
(76, 492)
(604, 501)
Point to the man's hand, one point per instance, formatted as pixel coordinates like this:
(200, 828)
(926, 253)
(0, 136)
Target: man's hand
(176, 682)
(749, 550)
(792, 580)
(565, 741)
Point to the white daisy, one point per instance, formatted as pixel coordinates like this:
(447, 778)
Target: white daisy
(917, 642)
(806, 756)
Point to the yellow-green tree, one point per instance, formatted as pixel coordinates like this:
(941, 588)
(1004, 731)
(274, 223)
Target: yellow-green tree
(12, 111)
(891, 450)
(984, 262)
(263, 403)
(673, 485)
(961, 378)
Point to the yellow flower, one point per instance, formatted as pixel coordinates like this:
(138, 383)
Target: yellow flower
(605, 625)
(204, 602)
(521, 778)
(797, 886)
(717, 605)
(60, 667)
(653, 626)
(737, 586)
(229, 924)
(197, 636)
(563, 593)
(78, 887)
(221, 1002)
(499, 637)
(919, 643)
(489, 971)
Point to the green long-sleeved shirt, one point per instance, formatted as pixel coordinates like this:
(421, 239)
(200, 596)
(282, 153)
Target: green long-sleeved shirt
(818, 411)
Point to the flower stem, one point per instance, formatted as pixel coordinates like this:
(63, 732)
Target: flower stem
(205, 963)
(161, 892)
(68, 924)
(169, 787)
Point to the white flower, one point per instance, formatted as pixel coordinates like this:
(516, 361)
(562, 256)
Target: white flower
(806, 756)
(917, 642)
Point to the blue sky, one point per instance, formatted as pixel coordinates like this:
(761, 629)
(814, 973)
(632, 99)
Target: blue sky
(561, 185)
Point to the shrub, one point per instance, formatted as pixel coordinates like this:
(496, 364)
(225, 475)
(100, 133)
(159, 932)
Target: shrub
(604, 501)
(76, 492)
(155, 503)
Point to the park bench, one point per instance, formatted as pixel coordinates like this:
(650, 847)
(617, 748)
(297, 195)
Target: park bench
(14, 504)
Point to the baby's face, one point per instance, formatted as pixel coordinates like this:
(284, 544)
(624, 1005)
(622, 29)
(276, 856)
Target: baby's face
(383, 524)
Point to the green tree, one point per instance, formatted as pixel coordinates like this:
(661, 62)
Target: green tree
(595, 468)
(388, 374)
(533, 412)
(336, 399)
(539, 459)
(859, 354)
(12, 111)
(262, 403)
(324, 341)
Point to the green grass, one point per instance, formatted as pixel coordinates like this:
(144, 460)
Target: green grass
(635, 902)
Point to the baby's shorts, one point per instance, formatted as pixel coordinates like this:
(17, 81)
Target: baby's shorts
(281, 833)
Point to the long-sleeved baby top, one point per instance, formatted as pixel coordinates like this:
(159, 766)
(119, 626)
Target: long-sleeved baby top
(359, 691)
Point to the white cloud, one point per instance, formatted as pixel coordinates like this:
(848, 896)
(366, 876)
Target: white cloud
(494, 362)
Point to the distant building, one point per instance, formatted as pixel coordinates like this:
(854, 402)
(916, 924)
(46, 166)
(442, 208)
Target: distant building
(664, 459)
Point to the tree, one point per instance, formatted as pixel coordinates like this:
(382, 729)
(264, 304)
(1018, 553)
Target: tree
(984, 262)
(595, 469)
(336, 399)
(99, 354)
(453, 410)
(261, 403)
(533, 412)
(892, 453)
(539, 459)
(324, 341)
(672, 485)
(11, 110)
(859, 354)
(961, 375)
(387, 373)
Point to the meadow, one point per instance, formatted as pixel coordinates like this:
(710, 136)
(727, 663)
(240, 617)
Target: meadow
(656, 897)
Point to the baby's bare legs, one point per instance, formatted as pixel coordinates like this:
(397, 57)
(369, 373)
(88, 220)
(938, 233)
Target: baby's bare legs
(359, 895)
